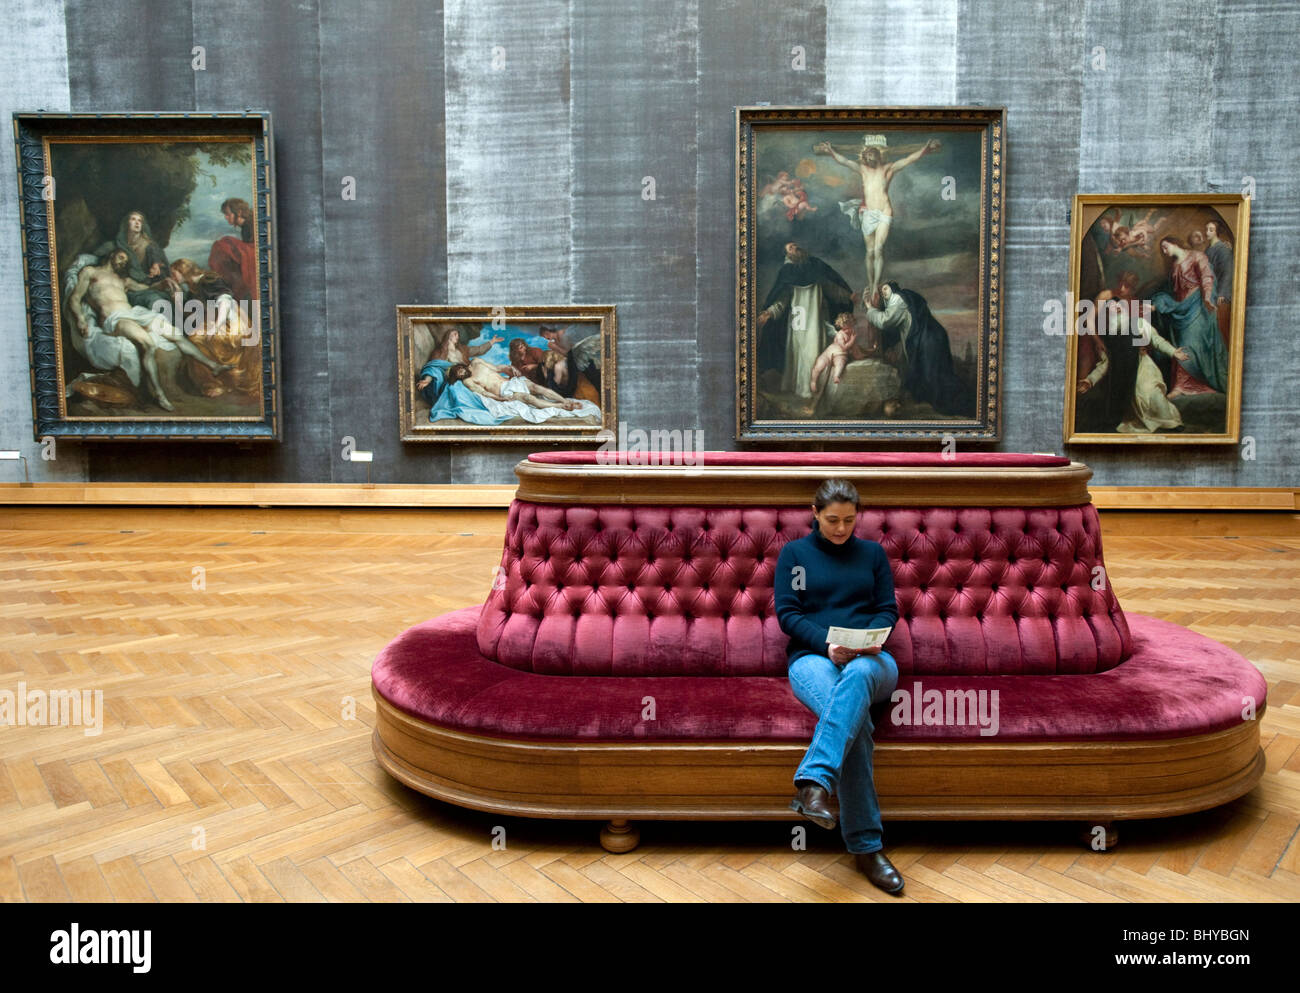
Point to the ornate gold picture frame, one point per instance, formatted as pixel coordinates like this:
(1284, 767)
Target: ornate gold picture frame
(1154, 323)
(868, 272)
(544, 373)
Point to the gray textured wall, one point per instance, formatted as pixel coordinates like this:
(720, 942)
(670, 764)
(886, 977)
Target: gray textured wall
(520, 183)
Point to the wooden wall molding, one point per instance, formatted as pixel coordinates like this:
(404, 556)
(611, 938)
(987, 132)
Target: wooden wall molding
(1278, 499)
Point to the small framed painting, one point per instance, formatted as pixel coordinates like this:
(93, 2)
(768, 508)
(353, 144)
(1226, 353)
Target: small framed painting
(868, 272)
(545, 373)
(1155, 331)
(150, 265)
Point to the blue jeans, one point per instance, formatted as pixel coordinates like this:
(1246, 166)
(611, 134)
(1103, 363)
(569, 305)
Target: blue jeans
(839, 758)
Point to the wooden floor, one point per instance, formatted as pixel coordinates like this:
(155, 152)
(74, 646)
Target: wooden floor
(233, 649)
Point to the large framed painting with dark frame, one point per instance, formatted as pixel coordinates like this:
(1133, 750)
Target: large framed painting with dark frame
(150, 263)
(868, 272)
(1154, 339)
(543, 373)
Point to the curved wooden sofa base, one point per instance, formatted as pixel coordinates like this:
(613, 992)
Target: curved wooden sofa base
(1075, 780)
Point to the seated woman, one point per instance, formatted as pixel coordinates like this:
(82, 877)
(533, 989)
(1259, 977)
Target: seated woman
(829, 578)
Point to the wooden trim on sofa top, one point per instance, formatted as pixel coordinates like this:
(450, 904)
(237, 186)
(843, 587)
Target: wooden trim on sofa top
(951, 486)
(737, 780)
(456, 495)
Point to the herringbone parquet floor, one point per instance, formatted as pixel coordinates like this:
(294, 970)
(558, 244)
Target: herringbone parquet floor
(233, 650)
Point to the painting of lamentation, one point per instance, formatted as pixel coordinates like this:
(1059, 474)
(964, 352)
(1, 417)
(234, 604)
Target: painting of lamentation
(1156, 344)
(868, 274)
(505, 373)
(158, 261)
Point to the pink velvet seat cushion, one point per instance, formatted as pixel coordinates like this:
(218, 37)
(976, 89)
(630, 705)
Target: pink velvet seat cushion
(1177, 683)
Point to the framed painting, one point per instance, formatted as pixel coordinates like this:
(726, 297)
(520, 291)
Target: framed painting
(150, 264)
(868, 272)
(1155, 329)
(512, 374)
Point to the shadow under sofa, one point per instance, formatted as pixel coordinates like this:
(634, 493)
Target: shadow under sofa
(627, 664)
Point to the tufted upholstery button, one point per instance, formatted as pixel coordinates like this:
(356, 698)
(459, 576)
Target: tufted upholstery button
(631, 587)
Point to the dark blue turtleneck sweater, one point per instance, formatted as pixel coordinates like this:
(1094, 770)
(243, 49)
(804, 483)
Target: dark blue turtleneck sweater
(847, 585)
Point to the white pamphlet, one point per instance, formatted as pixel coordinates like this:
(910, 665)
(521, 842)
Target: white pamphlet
(858, 638)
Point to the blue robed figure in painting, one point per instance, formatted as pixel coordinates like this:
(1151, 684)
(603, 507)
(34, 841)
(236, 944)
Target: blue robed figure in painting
(1188, 313)
(463, 382)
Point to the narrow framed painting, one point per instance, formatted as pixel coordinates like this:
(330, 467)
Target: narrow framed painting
(544, 373)
(1155, 331)
(868, 272)
(150, 264)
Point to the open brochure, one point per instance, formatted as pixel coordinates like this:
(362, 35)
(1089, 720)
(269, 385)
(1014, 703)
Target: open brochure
(858, 639)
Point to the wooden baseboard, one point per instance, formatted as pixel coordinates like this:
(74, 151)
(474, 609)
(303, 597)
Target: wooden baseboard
(385, 495)
(1276, 499)
(1272, 498)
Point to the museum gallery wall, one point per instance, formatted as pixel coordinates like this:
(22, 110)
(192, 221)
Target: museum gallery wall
(622, 198)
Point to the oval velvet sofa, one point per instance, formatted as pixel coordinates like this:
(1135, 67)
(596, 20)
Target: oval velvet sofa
(628, 663)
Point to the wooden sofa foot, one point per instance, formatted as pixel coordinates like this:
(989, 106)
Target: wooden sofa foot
(618, 836)
(1100, 836)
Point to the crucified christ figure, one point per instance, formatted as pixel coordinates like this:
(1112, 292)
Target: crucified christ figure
(874, 213)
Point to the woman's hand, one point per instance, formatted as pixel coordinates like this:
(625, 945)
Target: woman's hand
(843, 656)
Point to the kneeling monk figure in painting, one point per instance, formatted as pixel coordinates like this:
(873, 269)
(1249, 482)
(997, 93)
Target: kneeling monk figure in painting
(904, 320)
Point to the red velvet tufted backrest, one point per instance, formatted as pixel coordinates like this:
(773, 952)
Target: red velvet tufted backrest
(677, 590)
